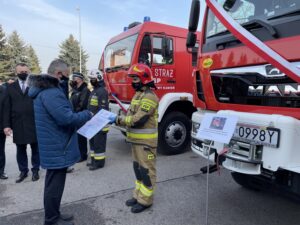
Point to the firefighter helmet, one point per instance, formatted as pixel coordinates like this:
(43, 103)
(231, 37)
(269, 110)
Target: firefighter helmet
(95, 74)
(142, 71)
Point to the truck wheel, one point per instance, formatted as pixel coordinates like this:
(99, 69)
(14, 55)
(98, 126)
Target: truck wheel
(174, 133)
(246, 181)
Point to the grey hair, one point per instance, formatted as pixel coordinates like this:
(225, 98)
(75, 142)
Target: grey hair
(57, 65)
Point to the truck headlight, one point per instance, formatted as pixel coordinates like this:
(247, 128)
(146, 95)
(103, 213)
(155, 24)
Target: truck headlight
(195, 127)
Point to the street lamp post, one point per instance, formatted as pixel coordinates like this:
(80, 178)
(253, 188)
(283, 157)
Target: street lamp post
(79, 20)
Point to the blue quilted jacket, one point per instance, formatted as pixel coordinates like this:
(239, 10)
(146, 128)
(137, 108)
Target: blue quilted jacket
(56, 123)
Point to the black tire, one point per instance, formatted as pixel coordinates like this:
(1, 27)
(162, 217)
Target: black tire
(247, 181)
(174, 133)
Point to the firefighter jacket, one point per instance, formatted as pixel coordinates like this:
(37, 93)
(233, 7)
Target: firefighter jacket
(141, 119)
(98, 100)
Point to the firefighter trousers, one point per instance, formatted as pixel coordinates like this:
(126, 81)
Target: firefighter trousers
(144, 166)
(98, 148)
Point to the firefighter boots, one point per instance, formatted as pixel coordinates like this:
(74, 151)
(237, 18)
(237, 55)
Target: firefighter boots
(131, 202)
(137, 208)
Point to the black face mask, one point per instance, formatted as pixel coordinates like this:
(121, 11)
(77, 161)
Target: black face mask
(73, 84)
(63, 78)
(94, 83)
(137, 86)
(22, 76)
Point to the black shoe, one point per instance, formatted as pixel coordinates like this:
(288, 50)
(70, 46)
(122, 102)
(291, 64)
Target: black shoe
(131, 202)
(3, 176)
(93, 167)
(35, 176)
(62, 222)
(66, 217)
(137, 208)
(22, 177)
(70, 170)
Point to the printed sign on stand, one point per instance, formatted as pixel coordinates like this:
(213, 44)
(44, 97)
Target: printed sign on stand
(217, 127)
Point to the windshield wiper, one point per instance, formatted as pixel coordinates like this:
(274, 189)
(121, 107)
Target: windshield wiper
(256, 23)
(116, 68)
(291, 13)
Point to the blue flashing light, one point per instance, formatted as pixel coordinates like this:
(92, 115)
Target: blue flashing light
(147, 19)
(125, 29)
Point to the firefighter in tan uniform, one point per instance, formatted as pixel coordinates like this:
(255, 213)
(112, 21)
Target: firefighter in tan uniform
(141, 123)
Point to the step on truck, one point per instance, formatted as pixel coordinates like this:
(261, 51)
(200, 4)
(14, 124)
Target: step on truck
(163, 48)
(249, 66)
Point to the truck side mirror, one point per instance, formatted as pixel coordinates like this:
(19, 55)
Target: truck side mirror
(191, 40)
(194, 15)
(228, 4)
(166, 47)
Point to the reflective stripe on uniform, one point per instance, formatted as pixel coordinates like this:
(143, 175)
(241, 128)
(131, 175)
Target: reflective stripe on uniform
(149, 102)
(146, 191)
(99, 156)
(92, 153)
(94, 102)
(137, 185)
(128, 120)
(135, 102)
(142, 131)
(142, 136)
(105, 129)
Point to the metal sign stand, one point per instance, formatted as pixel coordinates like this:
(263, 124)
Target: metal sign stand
(207, 146)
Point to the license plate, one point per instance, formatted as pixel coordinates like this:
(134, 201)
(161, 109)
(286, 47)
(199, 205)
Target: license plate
(267, 136)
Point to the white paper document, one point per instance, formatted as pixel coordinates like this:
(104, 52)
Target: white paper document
(97, 123)
(217, 127)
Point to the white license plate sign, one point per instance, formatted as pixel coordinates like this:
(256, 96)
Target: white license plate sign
(258, 135)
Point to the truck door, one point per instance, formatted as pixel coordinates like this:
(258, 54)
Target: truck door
(158, 53)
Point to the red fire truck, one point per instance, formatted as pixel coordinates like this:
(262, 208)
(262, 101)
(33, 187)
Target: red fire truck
(249, 66)
(162, 47)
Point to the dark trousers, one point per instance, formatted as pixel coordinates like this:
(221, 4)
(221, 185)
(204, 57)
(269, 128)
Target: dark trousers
(2, 152)
(22, 158)
(53, 191)
(82, 142)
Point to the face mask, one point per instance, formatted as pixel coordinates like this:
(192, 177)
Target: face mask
(22, 76)
(94, 83)
(137, 86)
(64, 78)
(73, 84)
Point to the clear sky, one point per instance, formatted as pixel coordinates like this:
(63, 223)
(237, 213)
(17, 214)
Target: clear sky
(46, 23)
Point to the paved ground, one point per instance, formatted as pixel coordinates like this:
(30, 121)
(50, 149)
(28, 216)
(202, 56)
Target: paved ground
(98, 197)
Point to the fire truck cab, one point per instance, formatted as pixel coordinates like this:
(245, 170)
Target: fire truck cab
(162, 48)
(252, 72)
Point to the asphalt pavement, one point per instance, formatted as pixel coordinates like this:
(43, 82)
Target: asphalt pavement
(98, 197)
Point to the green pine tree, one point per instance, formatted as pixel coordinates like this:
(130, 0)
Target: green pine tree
(33, 61)
(16, 52)
(4, 63)
(69, 52)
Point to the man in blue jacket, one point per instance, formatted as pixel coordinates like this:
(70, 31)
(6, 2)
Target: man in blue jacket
(56, 127)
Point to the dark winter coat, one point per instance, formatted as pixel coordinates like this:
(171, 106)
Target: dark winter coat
(2, 98)
(19, 115)
(56, 123)
(80, 97)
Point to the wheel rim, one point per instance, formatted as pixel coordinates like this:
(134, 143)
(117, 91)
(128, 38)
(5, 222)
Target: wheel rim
(175, 134)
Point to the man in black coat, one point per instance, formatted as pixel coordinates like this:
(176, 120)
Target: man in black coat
(19, 120)
(79, 99)
(3, 176)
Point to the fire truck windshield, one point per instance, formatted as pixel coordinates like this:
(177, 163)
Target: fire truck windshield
(119, 54)
(244, 11)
